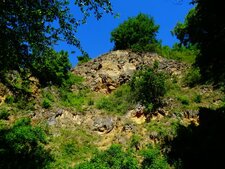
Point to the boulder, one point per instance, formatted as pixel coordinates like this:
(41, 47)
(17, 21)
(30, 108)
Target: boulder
(103, 124)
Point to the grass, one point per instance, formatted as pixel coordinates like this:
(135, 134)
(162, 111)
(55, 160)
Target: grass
(71, 146)
(178, 53)
(191, 98)
(75, 99)
(118, 102)
(166, 127)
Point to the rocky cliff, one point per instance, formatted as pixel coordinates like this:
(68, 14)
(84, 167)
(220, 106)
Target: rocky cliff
(105, 73)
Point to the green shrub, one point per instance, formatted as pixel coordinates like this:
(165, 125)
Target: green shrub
(83, 59)
(48, 94)
(19, 84)
(179, 53)
(91, 102)
(166, 128)
(69, 149)
(46, 103)
(51, 67)
(135, 141)
(73, 99)
(22, 146)
(4, 114)
(198, 98)
(148, 86)
(145, 48)
(114, 157)
(72, 80)
(154, 159)
(9, 99)
(25, 105)
(183, 99)
(193, 76)
(137, 33)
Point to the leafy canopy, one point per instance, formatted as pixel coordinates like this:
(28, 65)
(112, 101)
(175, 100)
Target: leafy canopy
(148, 86)
(29, 28)
(51, 67)
(136, 32)
(22, 146)
(203, 27)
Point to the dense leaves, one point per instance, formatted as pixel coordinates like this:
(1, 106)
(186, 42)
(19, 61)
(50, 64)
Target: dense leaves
(153, 159)
(114, 158)
(204, 26)
(51, 67)
(137, 32)
(83, 59)
(21, 146)
(29, 28)
(148, 86)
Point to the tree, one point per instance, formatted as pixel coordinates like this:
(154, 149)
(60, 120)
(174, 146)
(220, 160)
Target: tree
(204, 27)
(137, 32)
(28, 26)
(148, 86)
(51, 67)
(22, 146)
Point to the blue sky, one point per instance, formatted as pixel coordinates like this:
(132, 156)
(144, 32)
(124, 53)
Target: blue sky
(95, 35)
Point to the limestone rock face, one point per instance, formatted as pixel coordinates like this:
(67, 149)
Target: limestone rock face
(105, 73)
(103, 124)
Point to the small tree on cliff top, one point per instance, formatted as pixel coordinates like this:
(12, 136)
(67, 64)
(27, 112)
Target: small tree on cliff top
(137, 32)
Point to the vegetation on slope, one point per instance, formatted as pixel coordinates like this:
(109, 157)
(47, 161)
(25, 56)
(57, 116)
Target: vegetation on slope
(185, 124)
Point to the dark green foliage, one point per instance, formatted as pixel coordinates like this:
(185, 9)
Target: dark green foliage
(135, 141)
(204, 27)
(145, 48)
(165, 128)
(46, 103)
(21, 146)
(192, 77)
(72, 80)
(48, 97)
(30, 29)
(9, 99)
(113, 158)
(51, 67)
(200, 146)
(153, 159)
(198, 99)
(90, 102)
(19, 84)
(116, 158)
(137, 33)
(26, 26)
(183, 99)
(69, 149)
(4, 114)
(83, 59)
(148, 86)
